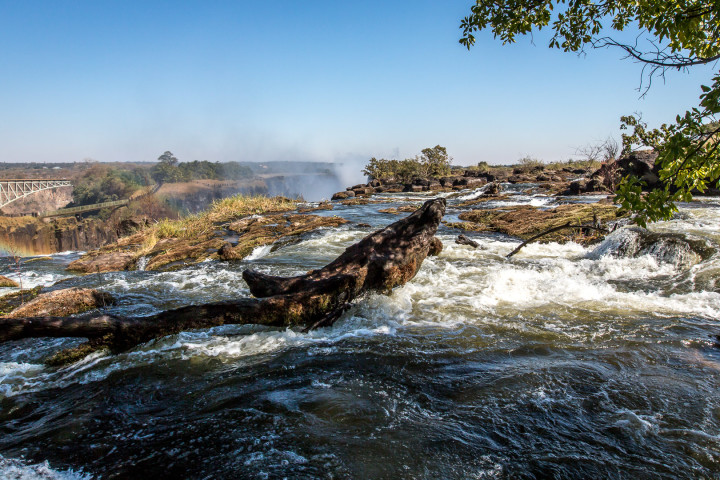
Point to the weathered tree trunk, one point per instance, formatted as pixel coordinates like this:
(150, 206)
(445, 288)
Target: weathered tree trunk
(381, 261)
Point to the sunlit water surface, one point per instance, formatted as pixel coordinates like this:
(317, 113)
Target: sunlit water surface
(561, 362)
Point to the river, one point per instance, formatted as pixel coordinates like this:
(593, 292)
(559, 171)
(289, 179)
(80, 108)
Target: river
(562, 362)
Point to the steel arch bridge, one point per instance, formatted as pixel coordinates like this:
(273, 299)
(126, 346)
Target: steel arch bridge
(11, 190)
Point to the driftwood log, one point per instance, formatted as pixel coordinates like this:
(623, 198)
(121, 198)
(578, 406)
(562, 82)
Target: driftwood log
(385, 259)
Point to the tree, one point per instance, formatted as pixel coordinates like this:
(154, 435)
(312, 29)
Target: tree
(432, 162)
(166, 170)
(679, 33)
(436, 161)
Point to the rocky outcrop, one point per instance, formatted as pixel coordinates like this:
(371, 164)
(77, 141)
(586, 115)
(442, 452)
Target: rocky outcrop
(6, 282)
(639, 164)
(13, 300)
(678, 249)
(63, 302)
(34, 236)
(96, 262)
(255, 232)
(526, 221)
(234, 240)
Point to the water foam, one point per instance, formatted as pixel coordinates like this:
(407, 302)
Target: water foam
(12, 469)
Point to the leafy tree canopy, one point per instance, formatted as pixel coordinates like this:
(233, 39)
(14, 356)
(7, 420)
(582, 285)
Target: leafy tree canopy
(432, 162)
(170, 170)
(681, 34)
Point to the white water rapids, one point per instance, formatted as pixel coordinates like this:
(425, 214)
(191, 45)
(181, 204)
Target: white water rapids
(563, 360)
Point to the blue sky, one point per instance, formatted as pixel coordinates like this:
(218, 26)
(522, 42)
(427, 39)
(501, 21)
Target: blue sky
(315, 80)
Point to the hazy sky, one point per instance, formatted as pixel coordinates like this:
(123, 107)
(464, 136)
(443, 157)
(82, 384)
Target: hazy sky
(313, 80)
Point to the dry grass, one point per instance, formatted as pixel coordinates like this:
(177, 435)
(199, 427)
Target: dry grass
(220, 211)
(574, 164)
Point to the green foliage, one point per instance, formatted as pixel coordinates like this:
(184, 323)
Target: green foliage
(432, 162)
(688, 157)
(435, 161)
(681, 33)
(170, 170)
(101, 183)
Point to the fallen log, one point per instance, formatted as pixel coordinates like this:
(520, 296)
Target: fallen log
(381, 261)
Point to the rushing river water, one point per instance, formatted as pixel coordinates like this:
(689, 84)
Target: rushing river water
(561, 362)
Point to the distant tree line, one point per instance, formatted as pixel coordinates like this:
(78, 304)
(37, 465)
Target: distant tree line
(170, 170)
(432, 162)
(102, 183)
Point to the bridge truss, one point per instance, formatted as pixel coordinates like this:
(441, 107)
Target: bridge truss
(11, 190)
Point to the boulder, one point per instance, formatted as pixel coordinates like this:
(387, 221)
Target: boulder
(681, 250)
(577, 187)
(103, 262)
(641, 165)
(493, 189)
(448, 181)
(61, 303)
(343, 195)
(470, 182)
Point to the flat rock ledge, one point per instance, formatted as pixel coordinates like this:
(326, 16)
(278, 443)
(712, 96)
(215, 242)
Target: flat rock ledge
(68, 301)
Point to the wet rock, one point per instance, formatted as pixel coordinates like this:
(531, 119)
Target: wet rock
(8, 282)
(470, 182)
(343, 195)
(175, 253)
(363, 190)
(678, 249)
(493, 189)
(96, 262)
(61, 303)
(448, 182)
(463, 240)
(413, 188)
(267, 230)
(11, 301)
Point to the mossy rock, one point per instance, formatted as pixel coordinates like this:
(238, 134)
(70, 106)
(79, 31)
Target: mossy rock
(13, 300)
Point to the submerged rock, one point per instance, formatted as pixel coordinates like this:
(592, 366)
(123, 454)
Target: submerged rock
(61, 303)
(678, 249)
